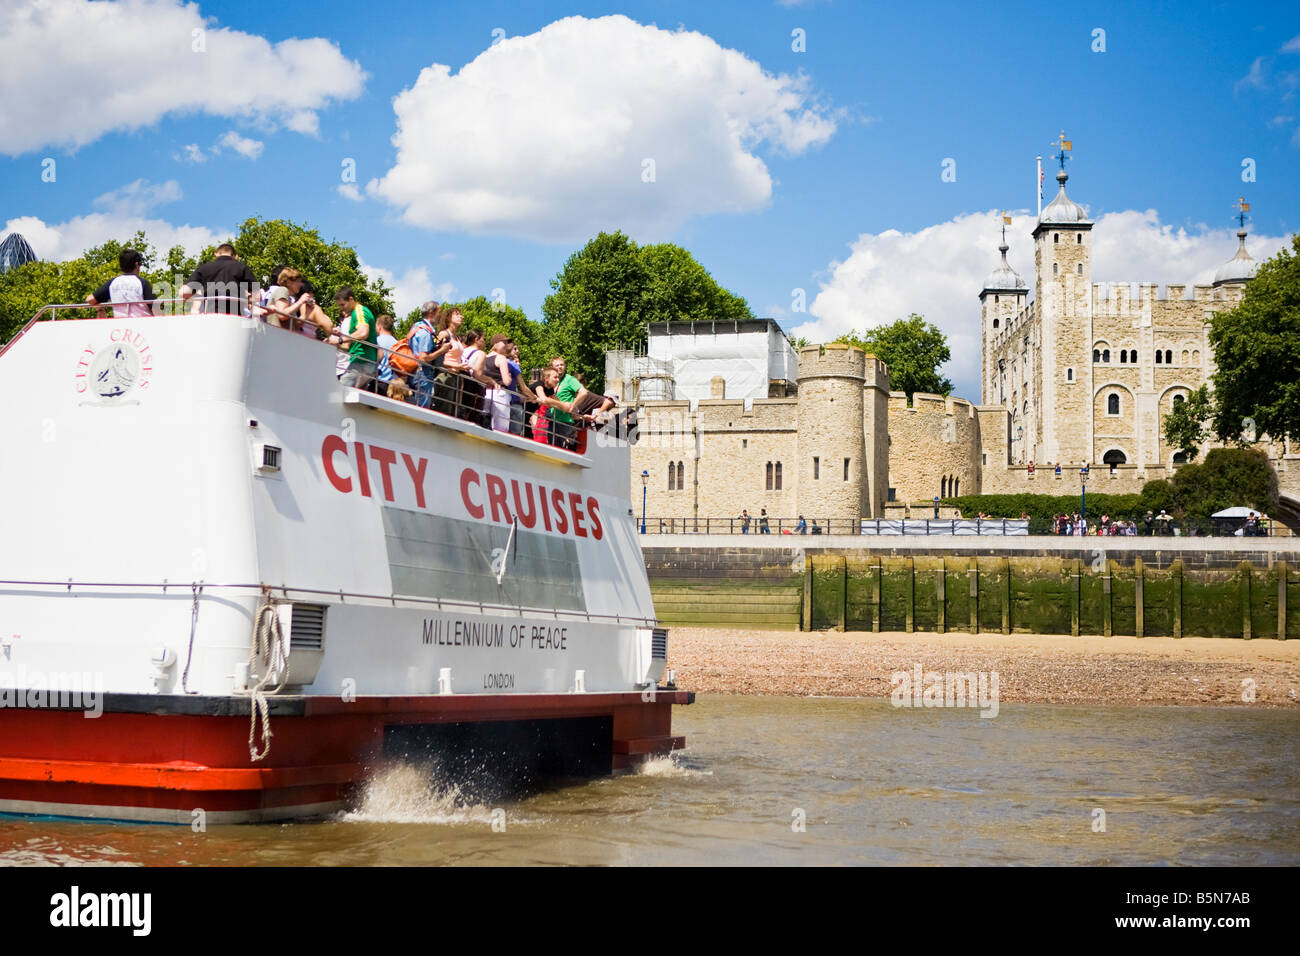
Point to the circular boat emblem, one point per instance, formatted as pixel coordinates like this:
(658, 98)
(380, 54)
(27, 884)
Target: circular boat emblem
(114, 370)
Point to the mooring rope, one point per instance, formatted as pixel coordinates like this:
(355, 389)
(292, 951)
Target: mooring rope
(269, 654)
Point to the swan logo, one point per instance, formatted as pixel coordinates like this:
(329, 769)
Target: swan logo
(108, 374)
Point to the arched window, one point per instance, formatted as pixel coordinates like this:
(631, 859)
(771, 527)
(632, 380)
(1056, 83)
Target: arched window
(778, 476)
(1186, 355)
(1056, 268)
(1105, 355)
(943, 487)
(1123, 356)
(1180, 458)
(1112, 404)
(1079, 268)
(1096, 355)
(1169, 356)
(1114, 457)
(769, 476)
(1078, 238)
(1196, 356)
(1133, 356)
(672, 476)
(681, 475)
(1069, 375)
(956, 483)
(995, 323)
(1178, 400)
(1056, 237)
(1159, 356)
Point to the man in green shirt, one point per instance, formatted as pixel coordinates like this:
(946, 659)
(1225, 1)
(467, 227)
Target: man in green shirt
(357, 326)
(569, 395)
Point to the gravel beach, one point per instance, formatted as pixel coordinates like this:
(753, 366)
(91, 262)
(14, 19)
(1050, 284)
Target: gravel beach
(1031, 668)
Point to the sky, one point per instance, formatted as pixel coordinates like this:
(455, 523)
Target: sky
(838, 164)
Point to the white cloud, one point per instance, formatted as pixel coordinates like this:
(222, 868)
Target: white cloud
(1254, 77)
(248, 148)
(938, 271)
(1292, 45)
(553, 130)
(152, 58)
(137, 198)
(56, 242)
(411, 289)
(350, 191)
(193, 153)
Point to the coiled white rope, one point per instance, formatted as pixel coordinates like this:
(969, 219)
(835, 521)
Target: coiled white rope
(268, 655)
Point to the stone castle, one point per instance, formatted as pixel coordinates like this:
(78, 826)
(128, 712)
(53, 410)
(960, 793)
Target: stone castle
(1083, 373)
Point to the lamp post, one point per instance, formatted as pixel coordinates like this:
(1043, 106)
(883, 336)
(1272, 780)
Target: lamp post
(1083, 492)
(645, 478)
(1020, 436)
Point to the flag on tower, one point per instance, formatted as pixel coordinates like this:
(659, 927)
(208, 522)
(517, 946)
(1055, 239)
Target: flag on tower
(1006, 220)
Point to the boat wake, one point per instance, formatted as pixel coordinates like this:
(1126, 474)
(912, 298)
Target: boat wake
(413, 793)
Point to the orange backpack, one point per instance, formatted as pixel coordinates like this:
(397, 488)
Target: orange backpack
(403, 358)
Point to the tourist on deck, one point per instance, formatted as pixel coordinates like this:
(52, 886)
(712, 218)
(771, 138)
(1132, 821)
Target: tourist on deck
(543, 388)
(473, 382)
(426, 350)
(448, 352)
(288, 304)
(386, 340)
(517, 393)
(222, 276)
(566, 405)
(358, 335)
(496, 402)
(128, 287)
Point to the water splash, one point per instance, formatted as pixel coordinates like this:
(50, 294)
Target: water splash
(670, 765)
(412, 793)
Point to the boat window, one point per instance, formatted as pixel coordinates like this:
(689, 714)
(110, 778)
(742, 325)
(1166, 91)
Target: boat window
(437, 556)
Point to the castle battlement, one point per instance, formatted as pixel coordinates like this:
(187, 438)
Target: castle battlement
(931, 404)
(835, 360)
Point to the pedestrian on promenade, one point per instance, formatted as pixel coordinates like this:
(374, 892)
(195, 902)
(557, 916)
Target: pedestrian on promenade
(744, 521)
(763, 526)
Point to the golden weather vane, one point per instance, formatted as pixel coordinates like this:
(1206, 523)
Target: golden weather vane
(1242, 208)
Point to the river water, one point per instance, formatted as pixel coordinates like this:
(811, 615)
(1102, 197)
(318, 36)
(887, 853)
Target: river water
(770, 780)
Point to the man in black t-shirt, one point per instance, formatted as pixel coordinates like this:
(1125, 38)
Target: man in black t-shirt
(224, 275)
(129, 287)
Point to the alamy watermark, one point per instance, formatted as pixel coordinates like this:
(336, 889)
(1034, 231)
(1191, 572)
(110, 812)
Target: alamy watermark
(945, 689)
(22, 689)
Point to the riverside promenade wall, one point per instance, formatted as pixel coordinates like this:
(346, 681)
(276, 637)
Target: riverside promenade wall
(1211, 587)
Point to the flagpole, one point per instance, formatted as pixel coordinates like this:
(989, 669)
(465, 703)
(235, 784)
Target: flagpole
(1040, 187)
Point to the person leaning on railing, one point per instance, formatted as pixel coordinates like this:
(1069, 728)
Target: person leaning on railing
(223, 275)
(447, 361)
(357, 333)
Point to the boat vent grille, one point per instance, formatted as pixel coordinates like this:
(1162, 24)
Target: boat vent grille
(270, 458)
(659, 644)
(307, 627)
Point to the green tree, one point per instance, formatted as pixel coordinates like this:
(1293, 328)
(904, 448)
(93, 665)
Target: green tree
(1227, 477)
(1186, 425)
(1257, 354)
(329, 266)
(913, 349)
(611, 289)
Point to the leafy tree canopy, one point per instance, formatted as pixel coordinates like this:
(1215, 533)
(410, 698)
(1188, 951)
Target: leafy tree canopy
(611, 289)
(1185, 425)
(913, 349)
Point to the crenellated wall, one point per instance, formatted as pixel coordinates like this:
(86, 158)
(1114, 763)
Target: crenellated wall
(934, 447)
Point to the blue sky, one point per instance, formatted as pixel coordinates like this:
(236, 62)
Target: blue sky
(518, 152)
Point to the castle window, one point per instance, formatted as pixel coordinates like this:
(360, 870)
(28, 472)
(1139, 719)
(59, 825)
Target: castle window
(1056, 269)
(672, 475)
(1159, 355)
(1114, 457)
(1026, 406)
(1069, 375)
(1123, 356)
(1096, 356)
(1169, 356)
(1105, 355)
(892, 495)
(817, 468)
(956, 484)
(1056, 237)
(1133, 356)
(1196, 356)
(996, 298)
(1112, 404)
(681, 476)
(1079, 268)
(1186, 356)
(985, 458)
(778, 476)
(1180, 458)
(943, 487)
(1178, 400)
(995, 323)
(744, 443)
(1078, 238)
(846, 469)
(769, 476)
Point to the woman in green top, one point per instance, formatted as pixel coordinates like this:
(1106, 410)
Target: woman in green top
(357, 326)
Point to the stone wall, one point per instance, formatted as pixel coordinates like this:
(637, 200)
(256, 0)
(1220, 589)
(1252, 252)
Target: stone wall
(831, 441)
(932, 439)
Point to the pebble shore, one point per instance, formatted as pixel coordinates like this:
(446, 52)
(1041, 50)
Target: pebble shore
(1049, 669)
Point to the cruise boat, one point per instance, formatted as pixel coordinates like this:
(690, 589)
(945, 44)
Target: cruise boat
(231, 588)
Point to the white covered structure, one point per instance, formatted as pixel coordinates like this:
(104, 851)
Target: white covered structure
(749, 355)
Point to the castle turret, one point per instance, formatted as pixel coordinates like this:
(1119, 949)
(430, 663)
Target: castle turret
(834, 471)
(1003, 297)
(1240, 268)
(1062, 288)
